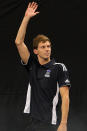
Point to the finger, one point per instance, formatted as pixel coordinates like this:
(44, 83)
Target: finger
(37, 13)
(33, 4)
(35, 7)
(29, 5)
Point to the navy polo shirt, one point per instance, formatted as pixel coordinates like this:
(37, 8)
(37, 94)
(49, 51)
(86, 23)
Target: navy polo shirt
(43, 88)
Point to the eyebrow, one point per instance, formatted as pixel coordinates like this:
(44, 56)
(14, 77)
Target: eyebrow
(45, 45)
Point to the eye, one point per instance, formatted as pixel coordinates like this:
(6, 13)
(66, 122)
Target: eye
(49, 46)
(42, 47)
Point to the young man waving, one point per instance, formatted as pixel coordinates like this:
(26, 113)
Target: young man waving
(46, 80)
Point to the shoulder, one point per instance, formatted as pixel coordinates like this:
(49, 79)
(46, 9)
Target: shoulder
(60, 66)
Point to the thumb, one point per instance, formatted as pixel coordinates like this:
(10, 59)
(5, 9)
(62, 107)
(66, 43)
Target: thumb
(37, 12)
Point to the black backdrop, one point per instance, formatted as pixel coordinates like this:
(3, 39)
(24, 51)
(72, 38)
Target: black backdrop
(65, 23)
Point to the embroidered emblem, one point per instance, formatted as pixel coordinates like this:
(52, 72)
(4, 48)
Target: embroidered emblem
(48, 73)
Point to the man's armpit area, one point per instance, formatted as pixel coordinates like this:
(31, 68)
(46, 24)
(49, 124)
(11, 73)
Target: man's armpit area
(23, 62)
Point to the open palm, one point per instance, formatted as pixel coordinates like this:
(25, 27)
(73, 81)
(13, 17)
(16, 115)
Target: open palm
(31, 10)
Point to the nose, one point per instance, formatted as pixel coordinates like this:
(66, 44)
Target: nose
(47, 49)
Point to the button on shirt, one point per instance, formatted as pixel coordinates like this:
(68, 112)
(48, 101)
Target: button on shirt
(43, 88)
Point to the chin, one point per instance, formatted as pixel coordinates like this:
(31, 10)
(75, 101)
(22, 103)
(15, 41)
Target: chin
(46, 58)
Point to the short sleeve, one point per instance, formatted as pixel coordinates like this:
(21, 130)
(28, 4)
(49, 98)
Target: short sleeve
(63, 76)
(29, 64)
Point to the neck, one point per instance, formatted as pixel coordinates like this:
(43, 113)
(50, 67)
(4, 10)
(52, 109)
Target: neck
(43, 61)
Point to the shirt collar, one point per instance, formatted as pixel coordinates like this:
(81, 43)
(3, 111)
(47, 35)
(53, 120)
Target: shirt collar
(49, 64)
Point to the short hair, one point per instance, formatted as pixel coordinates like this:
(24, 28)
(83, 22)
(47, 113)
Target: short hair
(40, 38)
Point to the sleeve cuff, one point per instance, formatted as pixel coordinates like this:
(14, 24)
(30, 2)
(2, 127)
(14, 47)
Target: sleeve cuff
(23, 62)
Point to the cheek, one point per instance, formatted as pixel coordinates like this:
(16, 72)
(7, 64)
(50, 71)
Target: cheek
(40, 52)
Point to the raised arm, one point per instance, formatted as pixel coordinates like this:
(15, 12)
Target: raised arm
(19, 41)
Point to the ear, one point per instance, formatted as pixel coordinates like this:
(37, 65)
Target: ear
(35, 51)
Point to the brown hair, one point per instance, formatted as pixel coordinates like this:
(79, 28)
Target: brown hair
(39, 38)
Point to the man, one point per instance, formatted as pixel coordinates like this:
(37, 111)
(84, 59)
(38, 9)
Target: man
(47, 79)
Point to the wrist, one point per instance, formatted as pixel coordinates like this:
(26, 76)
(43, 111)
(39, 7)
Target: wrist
(64, 123)
(27, 17)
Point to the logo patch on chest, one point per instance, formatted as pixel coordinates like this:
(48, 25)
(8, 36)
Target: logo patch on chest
(47, 74)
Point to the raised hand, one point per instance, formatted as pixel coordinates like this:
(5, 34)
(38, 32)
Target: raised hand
(31, 10)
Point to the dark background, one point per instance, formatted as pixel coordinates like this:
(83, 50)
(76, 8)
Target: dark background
(65, 23)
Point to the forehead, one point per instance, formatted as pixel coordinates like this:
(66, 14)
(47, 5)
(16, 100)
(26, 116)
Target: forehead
(44, 43)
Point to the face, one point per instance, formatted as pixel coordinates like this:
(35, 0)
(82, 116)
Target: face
(44, 50)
